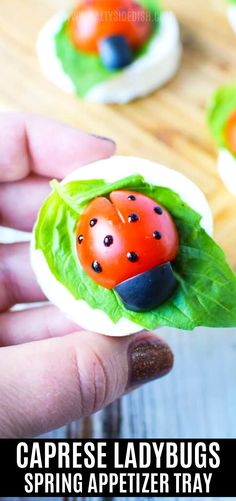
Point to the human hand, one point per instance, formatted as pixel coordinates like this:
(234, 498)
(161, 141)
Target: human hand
(52, 373)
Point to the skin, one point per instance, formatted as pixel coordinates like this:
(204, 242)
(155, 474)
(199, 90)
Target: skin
(51, 373)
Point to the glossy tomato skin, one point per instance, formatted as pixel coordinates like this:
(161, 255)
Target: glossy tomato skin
(125, 235)
(91, 21)
(230, 132)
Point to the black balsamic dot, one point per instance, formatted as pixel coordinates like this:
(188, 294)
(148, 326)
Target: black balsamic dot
(157, 235)
(132, 257)
(80, 239)
(158, 210)
(93, 222)
(133, 218)
(132, 198)
(97, 267)
(108, 240)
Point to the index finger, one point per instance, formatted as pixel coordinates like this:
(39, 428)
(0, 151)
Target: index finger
(48, 148)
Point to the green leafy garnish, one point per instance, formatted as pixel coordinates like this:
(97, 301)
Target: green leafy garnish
(206, 293)
(87, 70)
(223, 103)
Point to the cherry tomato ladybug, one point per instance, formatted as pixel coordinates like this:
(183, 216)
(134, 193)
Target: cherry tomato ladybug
(127, 242)
(94, 20)
(230, 132)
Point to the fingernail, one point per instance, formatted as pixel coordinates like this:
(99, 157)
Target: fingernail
(104, 138)
(148, 360)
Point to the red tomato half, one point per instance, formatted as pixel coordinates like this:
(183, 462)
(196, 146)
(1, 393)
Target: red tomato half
(122, 237)
(96, 19)
(230, 132)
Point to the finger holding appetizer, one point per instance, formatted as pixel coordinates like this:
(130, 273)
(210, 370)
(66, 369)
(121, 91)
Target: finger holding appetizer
(125, 244)
(43, 355)
(111, 52)
(222, 123)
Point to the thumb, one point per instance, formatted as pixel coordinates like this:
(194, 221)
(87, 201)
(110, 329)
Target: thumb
(47, 384)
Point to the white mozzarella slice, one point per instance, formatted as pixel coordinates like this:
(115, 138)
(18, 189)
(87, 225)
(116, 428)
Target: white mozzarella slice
(232, 16)
(111, 170)
(147, 73)
(227, 169)
(50, 63)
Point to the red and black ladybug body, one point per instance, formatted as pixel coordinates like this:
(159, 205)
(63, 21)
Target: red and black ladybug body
(127, 242)
(113, 29)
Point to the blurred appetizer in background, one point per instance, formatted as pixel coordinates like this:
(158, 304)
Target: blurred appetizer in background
(222, 123)
(118, 254)
(231, 12)
(111, 52)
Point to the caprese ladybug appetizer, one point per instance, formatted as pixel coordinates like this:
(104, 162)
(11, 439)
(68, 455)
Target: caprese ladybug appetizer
(118, 254)
(222, 123)
(111, 52)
